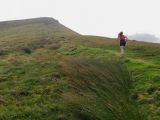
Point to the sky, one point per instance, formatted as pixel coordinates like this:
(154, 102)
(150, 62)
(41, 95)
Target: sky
(90, 17)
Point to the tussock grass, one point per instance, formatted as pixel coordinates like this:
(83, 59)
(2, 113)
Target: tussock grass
(109, 82)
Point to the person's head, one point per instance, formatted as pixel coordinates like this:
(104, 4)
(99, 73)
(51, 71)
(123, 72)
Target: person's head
(121, 33)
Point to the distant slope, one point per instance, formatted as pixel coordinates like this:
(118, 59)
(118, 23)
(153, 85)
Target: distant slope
(43, 20)
(15, 23)
(20, 33)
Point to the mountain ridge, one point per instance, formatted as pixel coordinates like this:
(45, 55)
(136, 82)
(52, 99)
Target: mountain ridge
(28, 21)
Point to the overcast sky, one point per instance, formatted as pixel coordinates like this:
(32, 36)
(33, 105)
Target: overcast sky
(94, 17)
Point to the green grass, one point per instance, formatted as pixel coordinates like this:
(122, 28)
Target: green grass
(49, 72)
(31, 87)
(142, 60)
(102, 91)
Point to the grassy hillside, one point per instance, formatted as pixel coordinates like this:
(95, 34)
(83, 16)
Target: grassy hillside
(32, 33)
(48, 71)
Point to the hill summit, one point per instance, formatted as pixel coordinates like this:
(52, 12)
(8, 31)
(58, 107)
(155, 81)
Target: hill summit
(34, 21)
(21, 33)
(14, 23)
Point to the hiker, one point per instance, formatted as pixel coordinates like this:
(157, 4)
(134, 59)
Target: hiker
(122, 39)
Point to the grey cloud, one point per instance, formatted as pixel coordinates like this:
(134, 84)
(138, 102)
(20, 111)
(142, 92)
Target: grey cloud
(144, 37)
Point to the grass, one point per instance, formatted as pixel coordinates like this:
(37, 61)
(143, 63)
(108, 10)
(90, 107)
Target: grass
(30, 86)
(49, 72)
(107, 88)
(142, 60)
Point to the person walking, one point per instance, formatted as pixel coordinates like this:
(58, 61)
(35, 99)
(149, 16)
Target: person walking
(122, 40)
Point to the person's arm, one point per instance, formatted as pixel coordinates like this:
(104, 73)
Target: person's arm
(126, 38)
(118, 37)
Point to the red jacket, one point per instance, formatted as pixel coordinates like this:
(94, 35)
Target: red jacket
(121, 37)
